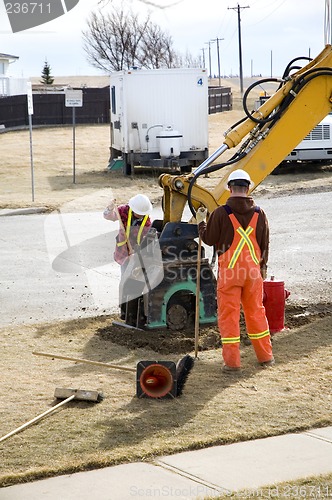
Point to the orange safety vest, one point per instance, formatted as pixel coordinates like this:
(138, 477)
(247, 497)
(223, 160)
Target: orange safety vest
(244, 251)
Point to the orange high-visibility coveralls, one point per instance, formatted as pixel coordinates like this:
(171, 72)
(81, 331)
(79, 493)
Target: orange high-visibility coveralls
(240, 282)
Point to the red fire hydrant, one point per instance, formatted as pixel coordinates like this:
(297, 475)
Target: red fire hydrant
(274, 298)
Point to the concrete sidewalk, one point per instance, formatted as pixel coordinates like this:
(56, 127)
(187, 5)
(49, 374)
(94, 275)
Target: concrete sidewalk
(198, 474)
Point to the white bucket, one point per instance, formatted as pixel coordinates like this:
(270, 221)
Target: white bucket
(169, 142)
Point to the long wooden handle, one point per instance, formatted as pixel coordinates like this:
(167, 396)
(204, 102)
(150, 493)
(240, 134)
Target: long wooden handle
(87, 361)
(198, 288)
(36, 419)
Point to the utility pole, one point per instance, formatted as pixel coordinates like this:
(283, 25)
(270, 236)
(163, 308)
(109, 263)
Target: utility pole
(209, 44)
(238, 8)
(327, 23)
(203, 50)
(217, 40)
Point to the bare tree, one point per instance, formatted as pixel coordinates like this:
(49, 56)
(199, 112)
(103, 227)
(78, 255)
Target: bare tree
(120, 40)
(156, 49)
(189, 61)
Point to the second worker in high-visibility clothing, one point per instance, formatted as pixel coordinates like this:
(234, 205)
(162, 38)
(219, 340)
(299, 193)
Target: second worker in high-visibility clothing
(239, 231)
(134, 222)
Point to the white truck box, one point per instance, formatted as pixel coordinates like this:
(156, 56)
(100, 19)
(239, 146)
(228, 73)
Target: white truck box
(316, 146)
(159, 118)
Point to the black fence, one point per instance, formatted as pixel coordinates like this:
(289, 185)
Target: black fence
(220, 99)
(50, 109)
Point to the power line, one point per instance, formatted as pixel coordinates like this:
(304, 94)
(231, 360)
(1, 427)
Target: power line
(258, 21)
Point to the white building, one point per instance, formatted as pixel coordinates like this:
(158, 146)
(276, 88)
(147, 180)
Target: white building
(9, 85)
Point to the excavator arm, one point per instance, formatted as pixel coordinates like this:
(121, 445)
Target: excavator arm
(265, 137)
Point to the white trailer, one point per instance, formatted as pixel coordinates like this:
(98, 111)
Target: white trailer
(159, 118)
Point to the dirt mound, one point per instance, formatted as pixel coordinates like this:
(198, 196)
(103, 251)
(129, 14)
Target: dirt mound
(159, 341)
(180, 342)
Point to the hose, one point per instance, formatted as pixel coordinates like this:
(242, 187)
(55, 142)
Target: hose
(260, 121)
(235, 158)
(297, 86)
(147, 137)
(289, 65)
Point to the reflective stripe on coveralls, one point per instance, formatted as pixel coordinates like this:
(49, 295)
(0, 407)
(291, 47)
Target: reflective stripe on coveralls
(139, 234)
(240, 282)
(245, 240)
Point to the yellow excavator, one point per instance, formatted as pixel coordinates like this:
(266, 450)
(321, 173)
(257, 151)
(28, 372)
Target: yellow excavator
(303, 99)
(265, 137)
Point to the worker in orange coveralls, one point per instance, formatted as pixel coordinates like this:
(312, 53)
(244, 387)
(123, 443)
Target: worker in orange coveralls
(239, 230)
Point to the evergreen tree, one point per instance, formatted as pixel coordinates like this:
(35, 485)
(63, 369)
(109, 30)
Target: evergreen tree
(47, 78)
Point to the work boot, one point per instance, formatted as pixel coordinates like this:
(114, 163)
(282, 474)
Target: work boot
(230, 369)
(267, 364)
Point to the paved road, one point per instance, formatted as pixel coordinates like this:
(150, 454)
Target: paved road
(58, 267)
(301, 244)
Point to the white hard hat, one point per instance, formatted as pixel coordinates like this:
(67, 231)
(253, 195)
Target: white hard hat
(140, 204)
(239, 177)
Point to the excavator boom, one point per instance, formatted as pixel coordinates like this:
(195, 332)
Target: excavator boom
(268, 135)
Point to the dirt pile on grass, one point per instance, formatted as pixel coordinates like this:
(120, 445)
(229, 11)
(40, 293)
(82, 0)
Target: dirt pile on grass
(168, 342)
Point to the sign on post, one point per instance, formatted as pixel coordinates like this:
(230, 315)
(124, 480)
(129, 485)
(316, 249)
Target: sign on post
(29, 97)
(30, 113)
(73, 99)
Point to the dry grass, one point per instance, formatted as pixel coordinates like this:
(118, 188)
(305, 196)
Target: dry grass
(53, 169)
(53, 164)
(311, 487)
(214, 408)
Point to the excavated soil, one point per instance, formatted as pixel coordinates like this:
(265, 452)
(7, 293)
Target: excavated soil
(179, 342)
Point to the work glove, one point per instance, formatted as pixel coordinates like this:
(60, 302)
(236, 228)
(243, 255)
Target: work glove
(109, 211)
(201, 215)
(264, 273)
(111, 206)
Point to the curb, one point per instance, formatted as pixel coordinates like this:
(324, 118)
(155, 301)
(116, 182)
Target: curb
(23, 211)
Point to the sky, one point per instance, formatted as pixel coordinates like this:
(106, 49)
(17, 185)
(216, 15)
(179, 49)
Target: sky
(273, 32)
